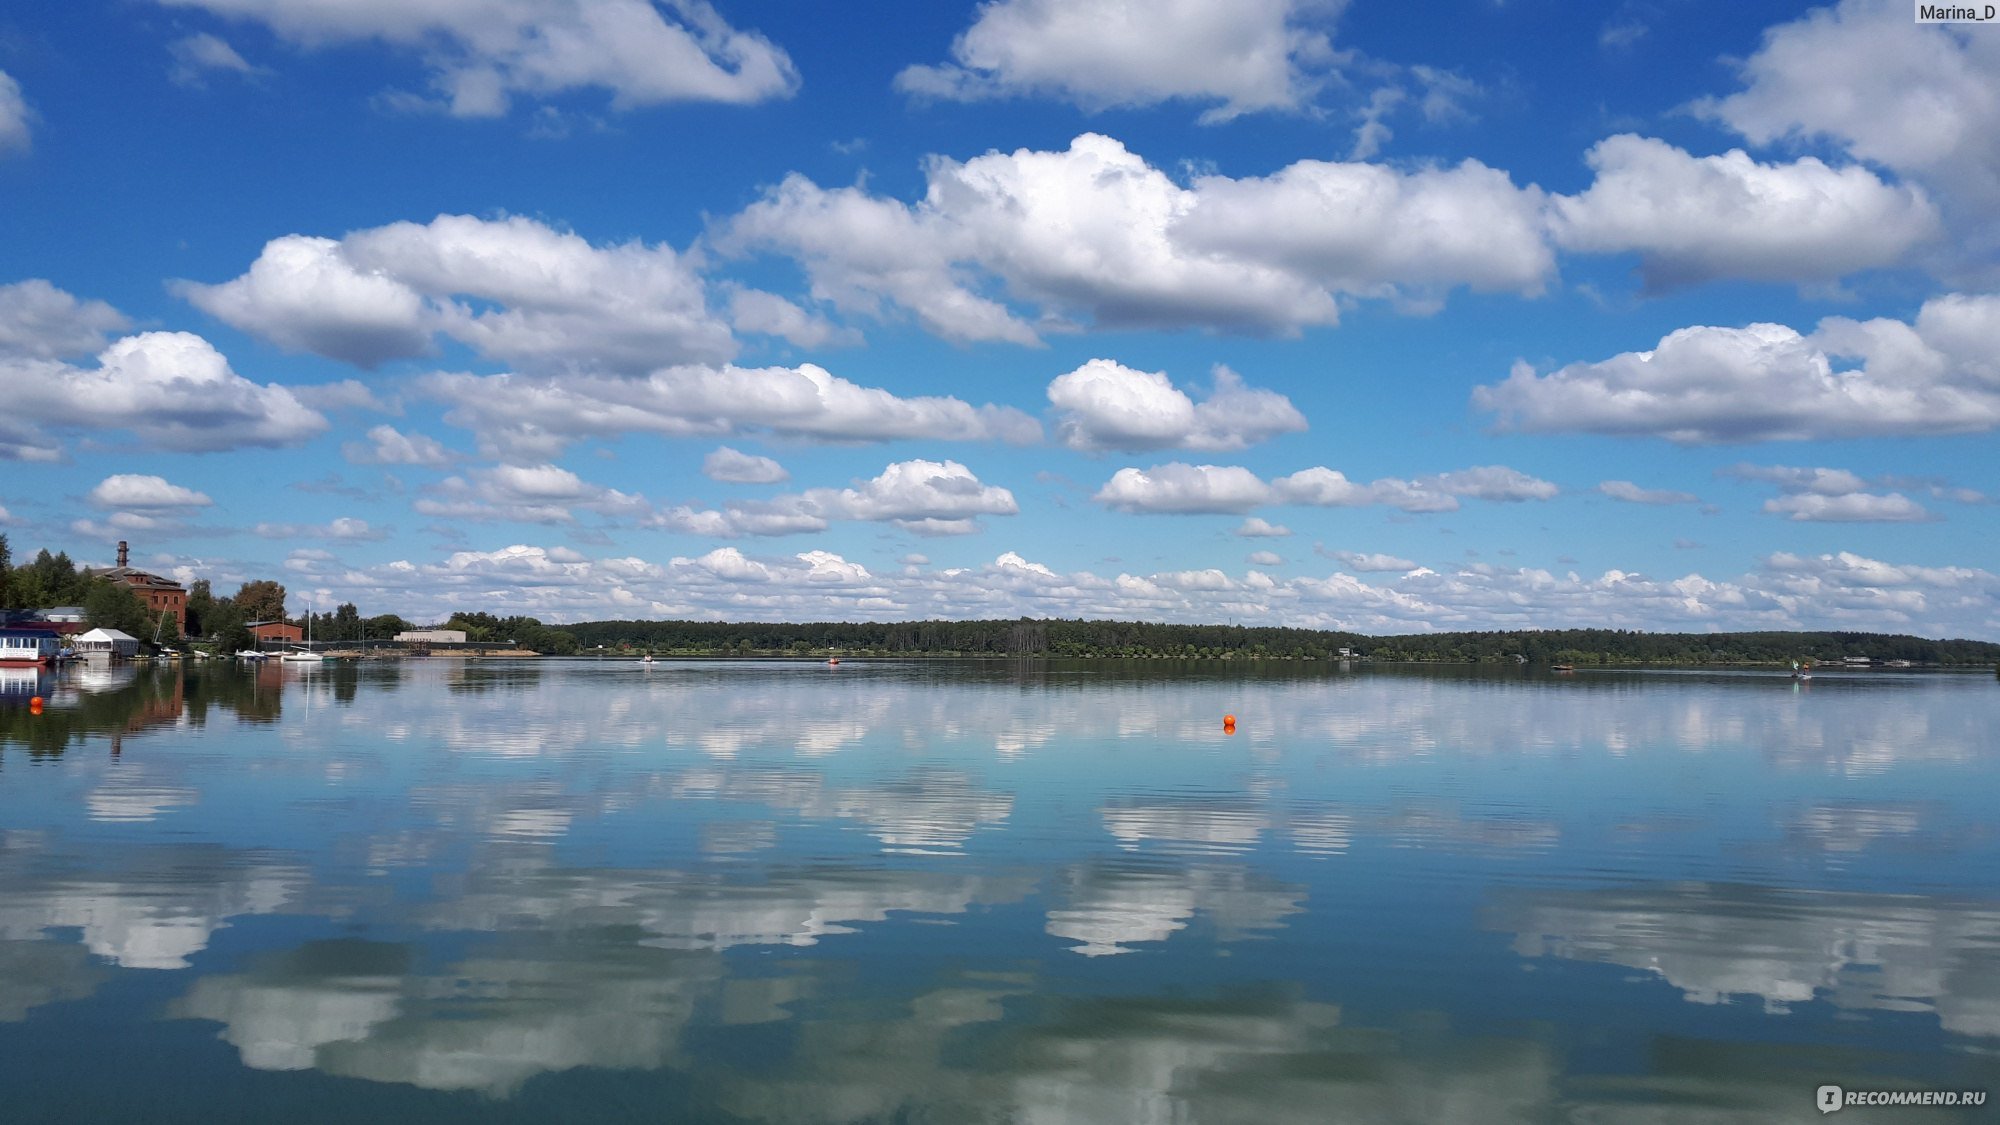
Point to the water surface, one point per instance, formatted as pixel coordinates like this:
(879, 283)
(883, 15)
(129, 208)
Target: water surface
(992, 892)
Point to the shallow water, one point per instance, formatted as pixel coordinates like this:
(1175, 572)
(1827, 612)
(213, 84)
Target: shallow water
(993, 891)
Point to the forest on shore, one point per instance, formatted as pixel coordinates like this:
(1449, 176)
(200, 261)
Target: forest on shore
(221, 622)
(1031, 637)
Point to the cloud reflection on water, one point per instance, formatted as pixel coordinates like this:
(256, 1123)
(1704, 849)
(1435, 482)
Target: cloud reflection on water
(1714, 942)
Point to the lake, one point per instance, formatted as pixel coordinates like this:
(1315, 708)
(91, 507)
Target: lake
(962, 891)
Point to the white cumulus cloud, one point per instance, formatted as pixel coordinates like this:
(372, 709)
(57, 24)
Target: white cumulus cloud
(1249, 56)
(1094, 234)
(1692, 219)
(922, 497)
(1823, 495)
(39, 320)
(145, 492)
(512, 289)
(1106, 405)
(1923, 100)
(737, 467)
(14, 116)
(1853, 507)
(545, 494)
(1182, 488)
(1848, 378)
(480, 53)
(1256, 527)
(539, 416)
(1368, 562)
(386, 445)
(172, 390)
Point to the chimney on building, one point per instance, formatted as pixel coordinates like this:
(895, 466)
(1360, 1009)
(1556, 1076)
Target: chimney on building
(124, 555)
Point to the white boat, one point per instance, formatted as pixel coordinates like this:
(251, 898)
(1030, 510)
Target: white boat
(304, 655)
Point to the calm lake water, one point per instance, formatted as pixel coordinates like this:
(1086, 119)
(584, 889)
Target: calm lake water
(993, 892)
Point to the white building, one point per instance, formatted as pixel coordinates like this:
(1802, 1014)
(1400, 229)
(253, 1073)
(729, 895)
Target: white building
(108, 642)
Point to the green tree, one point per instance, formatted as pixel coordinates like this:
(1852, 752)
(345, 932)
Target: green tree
(384, 627)
(113, 605)
(261, 600)
(50, 580)
(200, 603)
(229, 626)
(346, 623)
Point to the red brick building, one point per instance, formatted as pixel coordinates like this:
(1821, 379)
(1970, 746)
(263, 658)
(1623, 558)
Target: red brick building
(159, 595)
(282, 632)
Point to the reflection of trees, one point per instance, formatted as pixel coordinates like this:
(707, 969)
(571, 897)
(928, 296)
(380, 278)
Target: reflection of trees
(1714, 941)
(80, 709)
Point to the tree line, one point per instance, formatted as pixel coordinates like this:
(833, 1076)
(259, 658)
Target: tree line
(1087, 638)
(55, 580)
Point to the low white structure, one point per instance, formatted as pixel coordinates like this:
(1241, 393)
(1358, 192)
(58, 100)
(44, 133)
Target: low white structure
(109, 642)
(434, 636)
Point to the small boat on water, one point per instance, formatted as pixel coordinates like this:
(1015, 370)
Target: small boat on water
(304, 655)
(28, 648)
(1801, 673)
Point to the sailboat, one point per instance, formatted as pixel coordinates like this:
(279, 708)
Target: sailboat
(304, 655)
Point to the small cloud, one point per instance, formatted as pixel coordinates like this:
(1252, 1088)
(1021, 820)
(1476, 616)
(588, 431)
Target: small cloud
(148, 493)
(198, 56)
(1265, 558)
(1258, 528)
(731, 466)
(1371, 562)
(387, 445)
(1632, 494)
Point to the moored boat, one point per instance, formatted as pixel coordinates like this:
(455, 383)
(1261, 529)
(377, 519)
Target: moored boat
(28, 647)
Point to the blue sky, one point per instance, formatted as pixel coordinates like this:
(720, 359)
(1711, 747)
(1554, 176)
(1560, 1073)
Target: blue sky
(1666, 315)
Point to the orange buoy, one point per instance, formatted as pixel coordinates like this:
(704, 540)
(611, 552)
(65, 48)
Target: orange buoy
(35, 705)
(1229, 724)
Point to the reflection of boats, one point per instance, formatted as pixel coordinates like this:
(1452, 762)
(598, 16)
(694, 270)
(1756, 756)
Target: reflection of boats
(102, 676)
(19, 681)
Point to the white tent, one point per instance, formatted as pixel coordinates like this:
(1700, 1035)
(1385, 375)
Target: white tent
(109, 641)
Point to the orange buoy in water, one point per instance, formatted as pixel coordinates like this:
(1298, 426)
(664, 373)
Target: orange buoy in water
(833, 660)
(35, 705)
(1229, 724)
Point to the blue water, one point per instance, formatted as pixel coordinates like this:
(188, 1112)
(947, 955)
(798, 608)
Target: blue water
(993, 892)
